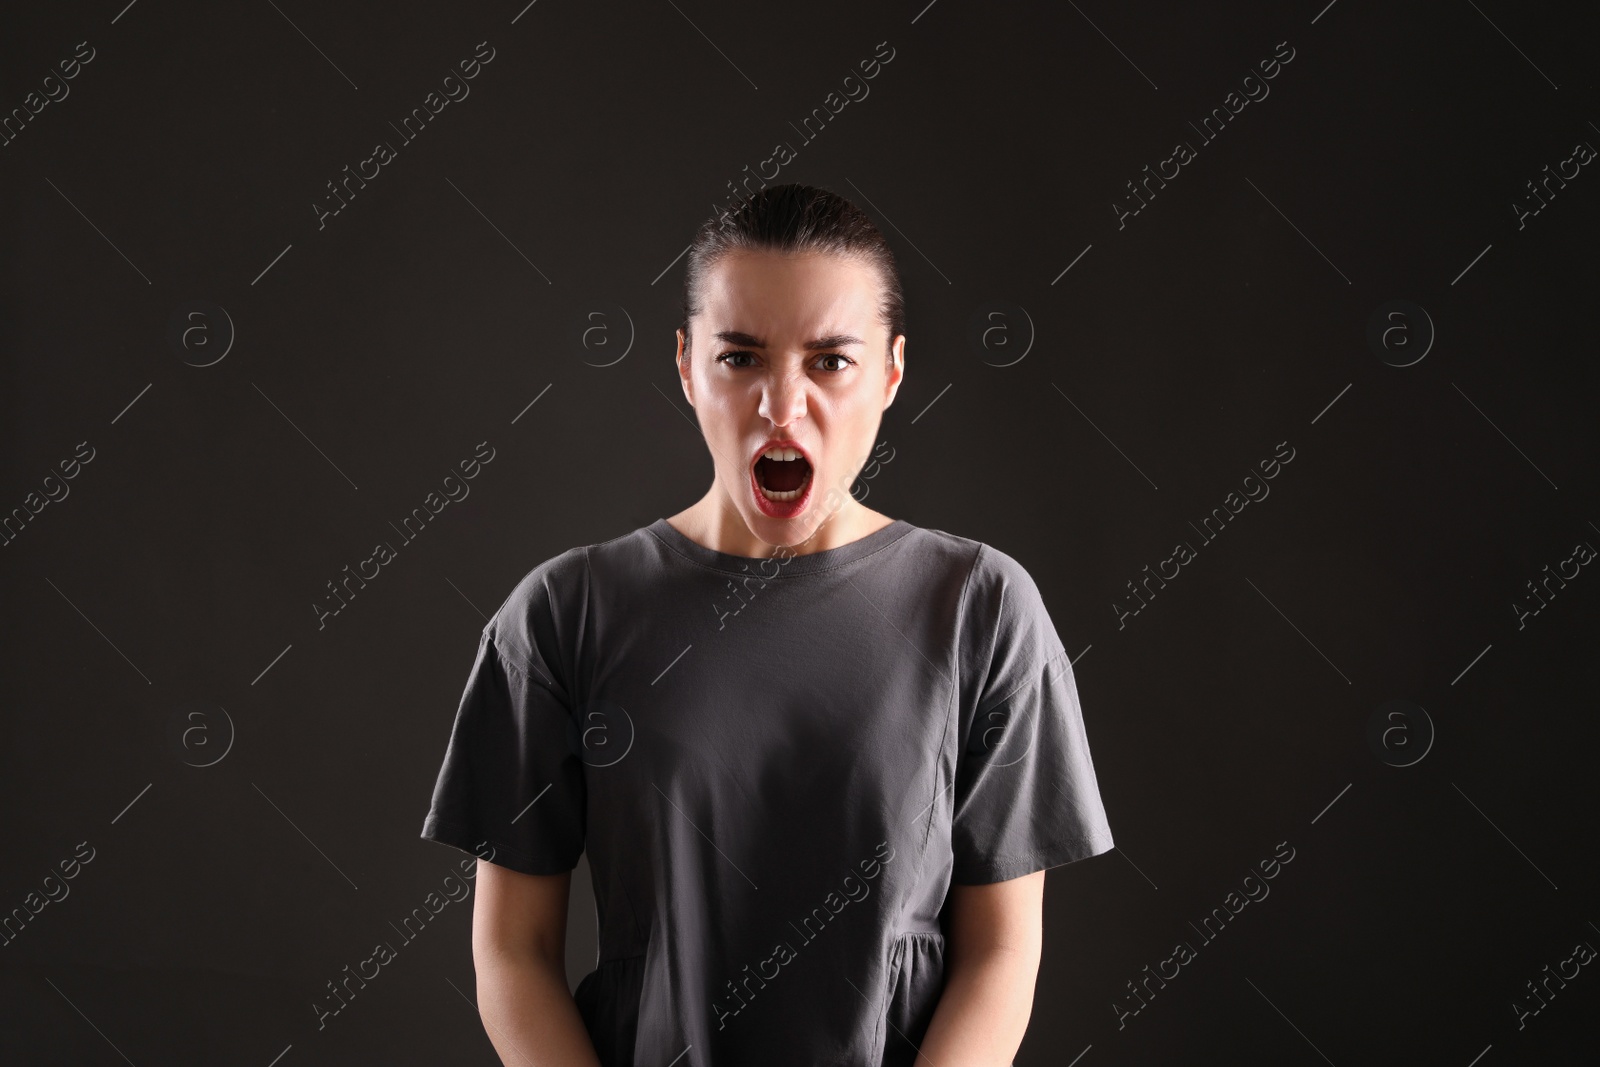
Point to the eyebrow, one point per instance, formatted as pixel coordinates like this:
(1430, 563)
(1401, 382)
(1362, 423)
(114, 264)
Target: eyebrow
(838, 340)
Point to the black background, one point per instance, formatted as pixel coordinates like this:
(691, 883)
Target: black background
(372, 354)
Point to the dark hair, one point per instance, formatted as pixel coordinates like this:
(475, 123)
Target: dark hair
(800, 219)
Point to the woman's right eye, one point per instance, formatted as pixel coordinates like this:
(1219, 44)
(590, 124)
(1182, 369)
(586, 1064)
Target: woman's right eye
(734, 355)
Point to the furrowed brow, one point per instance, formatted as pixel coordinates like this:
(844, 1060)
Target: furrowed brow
(838, 340)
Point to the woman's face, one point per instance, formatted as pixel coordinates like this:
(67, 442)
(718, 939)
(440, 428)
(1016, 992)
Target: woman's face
(789, 348)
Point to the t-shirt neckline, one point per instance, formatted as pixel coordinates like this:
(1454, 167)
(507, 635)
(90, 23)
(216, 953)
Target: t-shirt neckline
(771, 567)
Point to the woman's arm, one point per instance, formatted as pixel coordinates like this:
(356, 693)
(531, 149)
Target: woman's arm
(519, 943)
(990, 968)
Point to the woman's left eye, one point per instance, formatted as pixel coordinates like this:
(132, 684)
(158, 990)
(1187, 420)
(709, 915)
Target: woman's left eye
(835, 355)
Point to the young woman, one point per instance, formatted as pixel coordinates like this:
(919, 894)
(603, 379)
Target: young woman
(819, 758)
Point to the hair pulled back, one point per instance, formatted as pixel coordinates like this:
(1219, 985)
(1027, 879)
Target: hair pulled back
(797, 219)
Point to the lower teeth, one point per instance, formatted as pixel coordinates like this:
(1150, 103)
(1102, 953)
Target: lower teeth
(786, 496)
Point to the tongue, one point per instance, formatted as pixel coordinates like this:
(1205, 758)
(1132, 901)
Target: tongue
(781, 476)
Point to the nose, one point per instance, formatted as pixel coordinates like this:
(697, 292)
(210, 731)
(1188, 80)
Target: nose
(783, 399)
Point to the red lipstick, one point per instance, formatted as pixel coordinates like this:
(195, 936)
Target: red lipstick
(781, 509)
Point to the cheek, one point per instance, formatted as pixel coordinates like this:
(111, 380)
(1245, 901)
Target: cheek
(731, 416)
(724, 417)
(856, 419)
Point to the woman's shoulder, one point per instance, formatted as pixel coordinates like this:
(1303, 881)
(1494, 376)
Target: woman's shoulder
(987, 566)
(549, 576)
(539, 604)
(1005, 633)
(999, 594)
(557, 584)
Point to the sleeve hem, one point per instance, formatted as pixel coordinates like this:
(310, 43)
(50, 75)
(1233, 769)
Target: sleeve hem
(1005, 868)
(458, 835)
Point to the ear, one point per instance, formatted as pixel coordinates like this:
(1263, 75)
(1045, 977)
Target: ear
(682, 363)
(897, 372)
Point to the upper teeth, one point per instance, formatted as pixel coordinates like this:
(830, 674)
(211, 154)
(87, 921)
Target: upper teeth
(782, 455)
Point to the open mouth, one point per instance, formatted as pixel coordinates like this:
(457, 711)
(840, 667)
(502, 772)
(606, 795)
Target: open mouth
(782, 475)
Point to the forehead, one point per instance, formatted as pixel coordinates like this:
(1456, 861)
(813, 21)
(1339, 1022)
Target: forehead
(774, 295)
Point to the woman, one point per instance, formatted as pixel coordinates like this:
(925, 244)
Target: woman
(819, 758)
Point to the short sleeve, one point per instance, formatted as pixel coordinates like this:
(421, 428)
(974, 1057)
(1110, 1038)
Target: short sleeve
(511, 788)
(1026, 795)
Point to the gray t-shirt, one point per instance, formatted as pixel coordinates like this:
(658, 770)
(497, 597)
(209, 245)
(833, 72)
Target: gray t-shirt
(777, 768)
